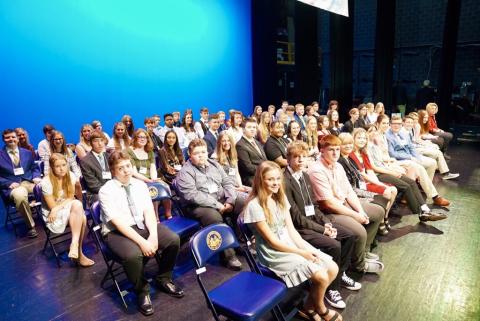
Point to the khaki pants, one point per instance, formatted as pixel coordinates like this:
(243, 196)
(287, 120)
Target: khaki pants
(437, 155)
(19, 196)
(423, 178)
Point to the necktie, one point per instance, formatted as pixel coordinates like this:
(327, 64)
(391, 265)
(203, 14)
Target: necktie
(138, 219)
(256, 147)
(303, 187)
(101, 160)
(16, 159)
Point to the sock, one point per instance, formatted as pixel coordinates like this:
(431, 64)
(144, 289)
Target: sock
(425, 208)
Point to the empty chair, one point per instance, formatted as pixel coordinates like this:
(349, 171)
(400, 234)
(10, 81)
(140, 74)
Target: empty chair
(245, 296)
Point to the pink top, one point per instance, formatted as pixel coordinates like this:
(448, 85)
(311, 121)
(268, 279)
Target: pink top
(329, 182)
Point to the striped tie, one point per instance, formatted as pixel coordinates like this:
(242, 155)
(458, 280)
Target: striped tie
(16, 159)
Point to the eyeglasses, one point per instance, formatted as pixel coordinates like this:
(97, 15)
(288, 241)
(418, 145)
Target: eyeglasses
(58, 139)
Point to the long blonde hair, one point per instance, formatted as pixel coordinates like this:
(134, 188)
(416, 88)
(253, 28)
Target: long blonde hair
(312, 135)
(264, 130)
(66, 182)
(226, 157)
(356, 132)
(259, 189)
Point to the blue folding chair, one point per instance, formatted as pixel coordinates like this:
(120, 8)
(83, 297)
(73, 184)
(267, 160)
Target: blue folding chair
(114, 268)
(246, 296)
(295, 297)
(182, 226)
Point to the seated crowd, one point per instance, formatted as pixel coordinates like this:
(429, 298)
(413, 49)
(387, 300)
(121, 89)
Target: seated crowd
(314, 191)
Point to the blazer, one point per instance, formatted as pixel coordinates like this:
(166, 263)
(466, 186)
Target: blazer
(211, 141)
(30, 170)
(301, 121)
(92, 172)
(398, 150)
(248, 159)
(304, 224)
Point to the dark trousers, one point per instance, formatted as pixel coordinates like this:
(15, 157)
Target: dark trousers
(208, 216)
(132, 258)
(408, 187)
(442, 140)
(339, 248)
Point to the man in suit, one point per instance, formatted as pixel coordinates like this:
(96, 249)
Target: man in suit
(212, 133)
(94, 166)
(202, 124)
(18, 176)
(249, 151)
(299, 115)
(314, 227)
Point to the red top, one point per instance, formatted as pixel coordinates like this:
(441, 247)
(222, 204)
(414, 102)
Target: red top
(432, 124)
(366, 165)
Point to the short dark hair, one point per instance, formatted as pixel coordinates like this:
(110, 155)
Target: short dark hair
(8, 131)
(248, 120)
(48, 128)
(167, 115)
(213, 116)
(196, 143)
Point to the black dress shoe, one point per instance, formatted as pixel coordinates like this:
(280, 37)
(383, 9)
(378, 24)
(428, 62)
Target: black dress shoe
(171, 289)
(32, 233)
(431, 216)
(145, 304)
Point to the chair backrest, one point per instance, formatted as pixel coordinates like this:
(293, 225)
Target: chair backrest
(96, 210)
(210, 241)
(158, 192)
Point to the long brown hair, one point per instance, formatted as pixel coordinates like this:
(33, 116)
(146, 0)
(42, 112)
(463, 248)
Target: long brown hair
(65, 150)
(175, 150)
(226, 157)
(423, 126)
(259, 189)
(129, 129)
(66, 182)
(134, 143)
(125, 137)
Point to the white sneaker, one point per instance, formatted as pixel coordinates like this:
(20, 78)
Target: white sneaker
(334, 298)
(349, 283)
(369, 256)
(373, 267)
(450, 176)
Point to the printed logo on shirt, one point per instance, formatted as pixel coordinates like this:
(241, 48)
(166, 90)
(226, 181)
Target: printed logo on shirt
(214, 240)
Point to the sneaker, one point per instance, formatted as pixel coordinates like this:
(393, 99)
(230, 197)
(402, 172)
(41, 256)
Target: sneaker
(450, 176)
(431, 216)
(373, 267)
(371, 257)
(349, 283)
(334, 298)
(233, 263)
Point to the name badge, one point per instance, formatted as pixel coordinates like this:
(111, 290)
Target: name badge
(363, 185)
(177, 167)
(106, 175)
(283, 235)
(18, 171)
(309, 210)
(212, 188)
(231, 171)
(142, 170)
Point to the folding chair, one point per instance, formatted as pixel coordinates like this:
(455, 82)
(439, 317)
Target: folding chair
(295, 296)
(53, 239)
(245, 296)
(12, 217)
(182, 226)
(114, 268)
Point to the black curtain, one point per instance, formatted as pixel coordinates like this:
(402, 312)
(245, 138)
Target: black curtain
(341, 59)
(447, 62)
(306, 53)
(384, 52)
(264, 53)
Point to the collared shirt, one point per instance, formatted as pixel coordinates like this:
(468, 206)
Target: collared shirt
(329, 182)
(17, 153)
(207, 186)
(297, 175)
(114, 203)
(103, 165)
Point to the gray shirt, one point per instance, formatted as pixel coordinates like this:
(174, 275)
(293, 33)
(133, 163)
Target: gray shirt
(207, 186)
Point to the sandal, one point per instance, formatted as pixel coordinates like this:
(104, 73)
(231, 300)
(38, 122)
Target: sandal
(308, 315)
(382, 229)
(335, 316)
(73, 253)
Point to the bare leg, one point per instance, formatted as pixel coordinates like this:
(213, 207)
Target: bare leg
(167, 204)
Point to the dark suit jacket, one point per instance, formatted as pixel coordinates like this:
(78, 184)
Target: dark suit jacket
(92, 172)
(248, 159)
(7, 177)
(211, 141)
(304, 224)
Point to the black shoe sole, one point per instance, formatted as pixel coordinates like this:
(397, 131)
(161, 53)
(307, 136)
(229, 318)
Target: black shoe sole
(432, 219)
(145, 313)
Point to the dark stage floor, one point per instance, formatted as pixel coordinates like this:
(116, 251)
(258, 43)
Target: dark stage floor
(432, 271)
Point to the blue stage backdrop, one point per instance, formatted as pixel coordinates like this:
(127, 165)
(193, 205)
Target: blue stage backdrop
(69, 62)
